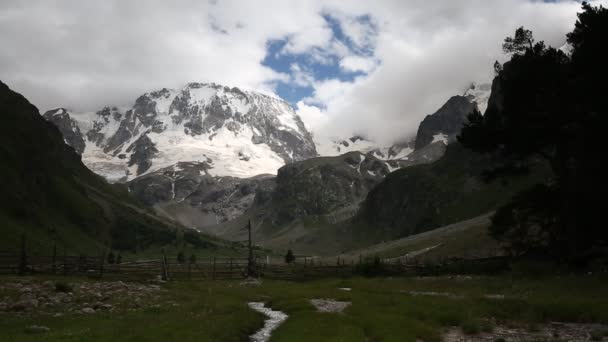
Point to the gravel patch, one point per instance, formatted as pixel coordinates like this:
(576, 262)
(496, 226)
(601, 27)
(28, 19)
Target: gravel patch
(555, 331)
(329, 305)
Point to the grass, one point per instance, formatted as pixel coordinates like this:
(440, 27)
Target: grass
(382, 310)
(465, 239)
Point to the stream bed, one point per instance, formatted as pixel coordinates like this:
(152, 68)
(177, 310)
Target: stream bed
(275, 318)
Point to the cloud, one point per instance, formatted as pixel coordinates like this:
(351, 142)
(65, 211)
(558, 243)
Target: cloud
(375, 68)
(358, 63)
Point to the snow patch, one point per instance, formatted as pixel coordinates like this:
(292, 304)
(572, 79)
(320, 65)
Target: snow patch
(440, 137)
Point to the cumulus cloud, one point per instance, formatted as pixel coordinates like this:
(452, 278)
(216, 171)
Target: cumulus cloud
(409, 56)
(358, 63)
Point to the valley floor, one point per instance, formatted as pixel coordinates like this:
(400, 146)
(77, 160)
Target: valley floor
(459, 308)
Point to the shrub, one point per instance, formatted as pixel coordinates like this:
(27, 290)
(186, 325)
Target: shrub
(62, 287)
(470, 326)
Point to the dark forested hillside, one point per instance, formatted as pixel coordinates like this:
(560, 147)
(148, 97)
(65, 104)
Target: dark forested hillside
(48, 194)
(552, 106)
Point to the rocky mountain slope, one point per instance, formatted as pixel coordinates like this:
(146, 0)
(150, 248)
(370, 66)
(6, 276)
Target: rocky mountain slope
(445, 124)
(325, 186)
(479, 93)
(233, 132)
(48, 194)
(330, 188)
(187, 193)
(452, 189)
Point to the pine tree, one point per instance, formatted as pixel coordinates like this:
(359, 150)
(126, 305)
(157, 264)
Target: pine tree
(111, 258)
(520, 42)
(289, 257)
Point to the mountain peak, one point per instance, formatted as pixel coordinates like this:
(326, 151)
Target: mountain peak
(239, 133)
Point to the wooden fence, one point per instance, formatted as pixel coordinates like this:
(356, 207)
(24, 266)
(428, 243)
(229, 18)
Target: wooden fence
(221, 268)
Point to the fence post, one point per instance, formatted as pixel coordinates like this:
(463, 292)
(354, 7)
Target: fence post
(213, 274)
(65, 267)
(54, 257)
(22, 257)
(103, 257)
(165, 272)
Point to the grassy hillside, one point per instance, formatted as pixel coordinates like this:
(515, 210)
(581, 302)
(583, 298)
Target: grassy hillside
(422, 197)
(49, 195)
(469, 238)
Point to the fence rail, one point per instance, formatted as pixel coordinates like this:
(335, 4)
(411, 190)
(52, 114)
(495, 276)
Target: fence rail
(219, 268)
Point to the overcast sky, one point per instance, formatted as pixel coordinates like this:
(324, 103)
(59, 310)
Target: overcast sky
(369, 67)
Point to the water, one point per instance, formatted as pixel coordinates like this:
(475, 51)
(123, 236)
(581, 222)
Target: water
(275, 318)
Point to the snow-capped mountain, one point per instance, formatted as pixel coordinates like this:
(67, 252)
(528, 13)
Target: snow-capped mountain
(480, 94)
(234, 132)
(442, 126)
(331, 147)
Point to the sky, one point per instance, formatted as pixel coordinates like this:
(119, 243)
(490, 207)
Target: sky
(373, 68)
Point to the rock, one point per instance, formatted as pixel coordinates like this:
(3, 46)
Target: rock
(36, 329)
(25, 289)
(250, 281)
(88, 310)
(27, 296)
(329, 305)
(25, 305)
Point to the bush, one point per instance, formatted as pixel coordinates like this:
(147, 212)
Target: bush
(62, 287)
(470, 327)
(598, 335)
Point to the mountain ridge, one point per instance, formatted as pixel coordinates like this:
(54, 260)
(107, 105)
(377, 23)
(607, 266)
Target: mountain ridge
(237, 133)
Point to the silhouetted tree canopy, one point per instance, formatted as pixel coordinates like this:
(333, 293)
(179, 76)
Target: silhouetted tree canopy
(520, 42)
(546, 104)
